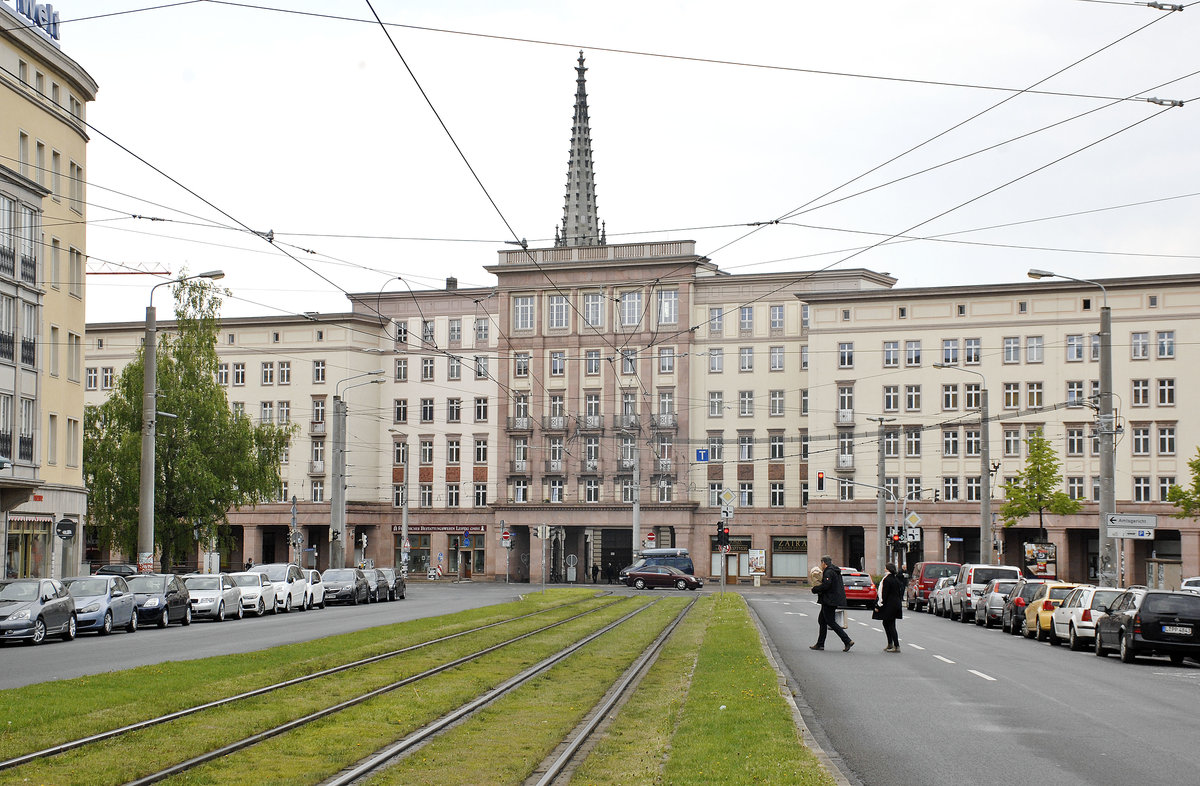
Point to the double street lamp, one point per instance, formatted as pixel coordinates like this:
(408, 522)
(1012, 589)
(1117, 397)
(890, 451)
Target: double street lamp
(987, 539)
(145, 541)
(337, 513)
(1107, 431)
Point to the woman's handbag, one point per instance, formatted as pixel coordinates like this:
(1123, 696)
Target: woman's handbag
(877, 613)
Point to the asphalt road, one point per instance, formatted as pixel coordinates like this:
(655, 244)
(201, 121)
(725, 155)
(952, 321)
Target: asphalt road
(92, 654)
(962, 704)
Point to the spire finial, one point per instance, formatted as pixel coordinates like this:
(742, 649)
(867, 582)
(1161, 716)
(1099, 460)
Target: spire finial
(580, 222)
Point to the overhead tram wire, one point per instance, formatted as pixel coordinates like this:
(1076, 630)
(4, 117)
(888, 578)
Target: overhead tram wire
(113, 13)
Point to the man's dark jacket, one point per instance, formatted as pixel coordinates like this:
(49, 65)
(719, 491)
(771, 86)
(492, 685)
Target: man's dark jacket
(831, 591)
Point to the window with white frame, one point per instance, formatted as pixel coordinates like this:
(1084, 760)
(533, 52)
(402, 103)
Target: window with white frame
(971, 443)
(668, 307)
(1141, 489)
(775, 447)
(454, 331)
(972, 351)
(716, 321)
(777, 495)
(556, 305)
(268, 373)
(1141, 393)
(845, 490)
(950, 351)
(950, 489)
(593, 309)
(481, 450)
(1012, 442)
(716, 446)
(481, 367)
(1012, 349)
(891, 443)
(1139, 345)
(1074, 441)
(846, 354)
(1166, 344)
(239, 374)
(891, 398)
(912, 443)
(631, 308)
(950, 443)
(1074, 393)
(521, 364)
(1012, 395)
(1166, 392)
(776, 358)
(318, 491)
(400, 410)
(745, 495)
(558, 363)
(1166, 440)
(523, 312)
(628, 361)
(1075, 348)
(481, 409)
(912, 487)
(746, 359)
(776, 317)
(1034, 394)
(1164, 487)
(481, 495)
(746, 318)
(745, 403)
(949, 397)
(318, 371)
(912, 398)
(481, 331)
(427, 410)
(591, 490)
(401, 369)
(891, 354)
(972, 396)
(775, 401)
(591, 362)
(716, 403)
(426, 369)
(746, 447)
(804, 358)
(716, 360)
(666, 360)
(912, 353)
(1034, 349)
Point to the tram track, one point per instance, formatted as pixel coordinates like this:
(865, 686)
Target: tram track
(83, 742)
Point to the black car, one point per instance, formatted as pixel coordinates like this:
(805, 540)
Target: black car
(1012, 619)
(32, 609)
(393, 581)
(346, 585)
(161, 598)
(1151, 622)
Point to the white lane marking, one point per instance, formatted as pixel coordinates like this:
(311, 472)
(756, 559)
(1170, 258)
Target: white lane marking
(865, 625)
(981, 674)
(943, 660)
(917, 647)
(877, 630)
(795, 614)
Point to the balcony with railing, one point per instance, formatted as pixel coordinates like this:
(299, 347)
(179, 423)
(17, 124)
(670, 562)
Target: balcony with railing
(6, 444)
(664, 420)
(316, 427)
(845, 417)
(845, 461)
(627, 464)
(7, 257)
(555, 466)
(28, 352)
(28, 269)
(7, 344)
(665, 465)
(519, 466)
(25, 448)
(590, 465)
(316, 467)
(626, 421)
(554, 422)
(520, 423)
(591, 422)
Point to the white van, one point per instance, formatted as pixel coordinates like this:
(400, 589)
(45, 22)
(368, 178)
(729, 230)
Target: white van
(968, 587)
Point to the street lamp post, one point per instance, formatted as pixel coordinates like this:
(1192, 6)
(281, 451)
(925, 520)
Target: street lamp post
(145, 540)
(987, 538)
(1107, 431)
(337, 501)
(880, 500)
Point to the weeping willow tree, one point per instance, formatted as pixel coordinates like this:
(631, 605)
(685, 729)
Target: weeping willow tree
(208, 460)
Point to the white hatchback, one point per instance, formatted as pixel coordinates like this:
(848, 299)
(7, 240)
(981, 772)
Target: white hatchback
(290, 584)
(1076, 617)
(258, 593)
(314, 595)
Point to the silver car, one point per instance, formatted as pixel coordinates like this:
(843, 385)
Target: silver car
(213, 595)
(939, 597)
(990, 608)
(102, 603)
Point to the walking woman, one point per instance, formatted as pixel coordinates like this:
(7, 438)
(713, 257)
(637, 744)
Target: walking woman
(890, 606)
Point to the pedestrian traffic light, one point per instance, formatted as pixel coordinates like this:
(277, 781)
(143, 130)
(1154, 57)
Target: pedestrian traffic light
(820, 481)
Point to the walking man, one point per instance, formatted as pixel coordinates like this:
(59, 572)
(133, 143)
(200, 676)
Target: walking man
(831, 594)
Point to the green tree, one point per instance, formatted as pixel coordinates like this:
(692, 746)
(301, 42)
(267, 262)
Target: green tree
(207, 459)
(1037, 488)
(1188, 499)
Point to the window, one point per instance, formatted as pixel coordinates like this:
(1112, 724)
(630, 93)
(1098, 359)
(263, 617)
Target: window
(427, 331)
(776, 358)
(1034, 349)
(401, 332)
(804, 358)
(846, 354)
(912, 487)
(426, 369)
(1012, 395)
(453, 367)
(1033, 394)
(971, 443)
(1164, 487)
(1075, 487)
(912, 443)
(950, 443)
(481, 409)
(318, 450)
(912, 353)
(716, 447)
(401, 369)
(481, 331)
(776, 495)
(746, 319)
(746, 495)
(949, 397)
(425, 451)
(804, 401)
(425, 495)
(426, 410)
(775, 406)
(1012, 442)
(912, 398)
(845, 490)
(716, 360)
(238, 408)
(1094, 340)
(846, 397)
(455, 331)
(1141, 489)
(453, 410)
(776, 317)
(75, 357)
(318, 491)
(1166, 344)
(891, 485)
(1075, 393)
(631, 308)
(557, 306)
(668, 307)
(1166, 440)
(481, 450)
(107, 376)
(746, 359)
(666, 360)
(481, 367)
(1075, 349)
(75, 264)
(452, 495)
(628, 361)
(318, 371)
(716, 321)
(555, 490)
(1139, 346)
(591, 362)
(1074, 441)
(593, 309)
(285, 372)
(972, 351)
(558, 363)
(950, 351)
(285, 412)
(591, 490)
(775, 447)
(891, 398)
(1166, 392)
(1012, 349)
(745, 403)
(89, 378)
(1141, 393)
(891, 354)
(950, 489)
(523, 312)
(891, 443)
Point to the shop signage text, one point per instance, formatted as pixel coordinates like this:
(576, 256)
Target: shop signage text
(42, 15)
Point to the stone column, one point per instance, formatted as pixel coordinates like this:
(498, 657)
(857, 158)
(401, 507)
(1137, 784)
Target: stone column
(251, 543)
(1189, 543)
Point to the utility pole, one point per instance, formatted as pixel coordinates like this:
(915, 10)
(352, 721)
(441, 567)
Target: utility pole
(881, 500)
(637, 496)
(987, 537)
(337, 515)
(404, 544)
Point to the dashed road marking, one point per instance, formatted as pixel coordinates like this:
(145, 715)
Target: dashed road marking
(943, 660)
(917, 647)
(981, 674)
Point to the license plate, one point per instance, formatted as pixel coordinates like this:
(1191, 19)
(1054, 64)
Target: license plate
(1178, 630)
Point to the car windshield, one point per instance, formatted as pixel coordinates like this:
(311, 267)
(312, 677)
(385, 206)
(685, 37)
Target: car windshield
(275, 572)
(339, 574)
(940, 571)
(147, 584)
(1104, 597)
(1184, 605)
(18, 590)
(247, 579)
(83, 588)
(203, 582)
(1058, 593)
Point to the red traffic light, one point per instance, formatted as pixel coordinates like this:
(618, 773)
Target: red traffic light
(820, 481)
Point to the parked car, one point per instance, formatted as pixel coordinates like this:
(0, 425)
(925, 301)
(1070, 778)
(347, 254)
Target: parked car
(990, 607)
(32, 609)
(1190, 584)
(860, 588)
(161, 598)
(315, 593)
(395, 581)
(1013, 619)
(939, 596)
(924, 576)
(1075, 618)
(289, 582)
(257, 591)
(676, 558)
(1151, 622)
(651, 576)
(1042, 605)
(213, 595)
(102, 602)
(346, 585)
(117, 569)
(372, 584)
(968, 587)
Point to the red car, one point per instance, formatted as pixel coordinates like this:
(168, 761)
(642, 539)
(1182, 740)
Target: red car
(860, 588)
(924, 576)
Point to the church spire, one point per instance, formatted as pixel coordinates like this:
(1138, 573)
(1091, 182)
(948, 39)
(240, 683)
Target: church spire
(580, 224)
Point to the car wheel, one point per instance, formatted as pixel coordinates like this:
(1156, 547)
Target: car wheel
(1038, 633)
(133, 622)
(287, 604)
(964, 619)
(39, 632)
(354, 599)
(1018, 626)
(953, 617)
(680, 584)
(187, 615)
(1128, 655)
(322, 603)
(401, 596)
(639, 584)
(1054, 638)
(988, 622)
(1100, 651)
(1176, 658)
(260, 609)
(165, 619)
(106, 624)
(240, 611)
(1073, 641)
(220, 615)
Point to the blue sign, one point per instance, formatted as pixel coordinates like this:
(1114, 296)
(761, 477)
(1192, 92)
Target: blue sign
(41, 15)
(466, 541)
(701, 454)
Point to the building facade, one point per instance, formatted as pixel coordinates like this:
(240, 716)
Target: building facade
(43, 213)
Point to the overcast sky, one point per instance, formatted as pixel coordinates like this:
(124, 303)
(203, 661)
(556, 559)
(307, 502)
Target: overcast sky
(313, 128)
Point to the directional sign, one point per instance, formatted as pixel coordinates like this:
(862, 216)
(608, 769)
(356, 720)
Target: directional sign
(1133, 533)
(727, 511)
(728, 497)
(1136, 520)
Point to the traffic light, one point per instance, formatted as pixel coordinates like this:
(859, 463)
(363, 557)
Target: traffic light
(895, 538)
(724, 537)
(820, 481)
(937, 495)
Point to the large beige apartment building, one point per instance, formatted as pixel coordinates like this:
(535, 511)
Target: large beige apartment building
(43, 212)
